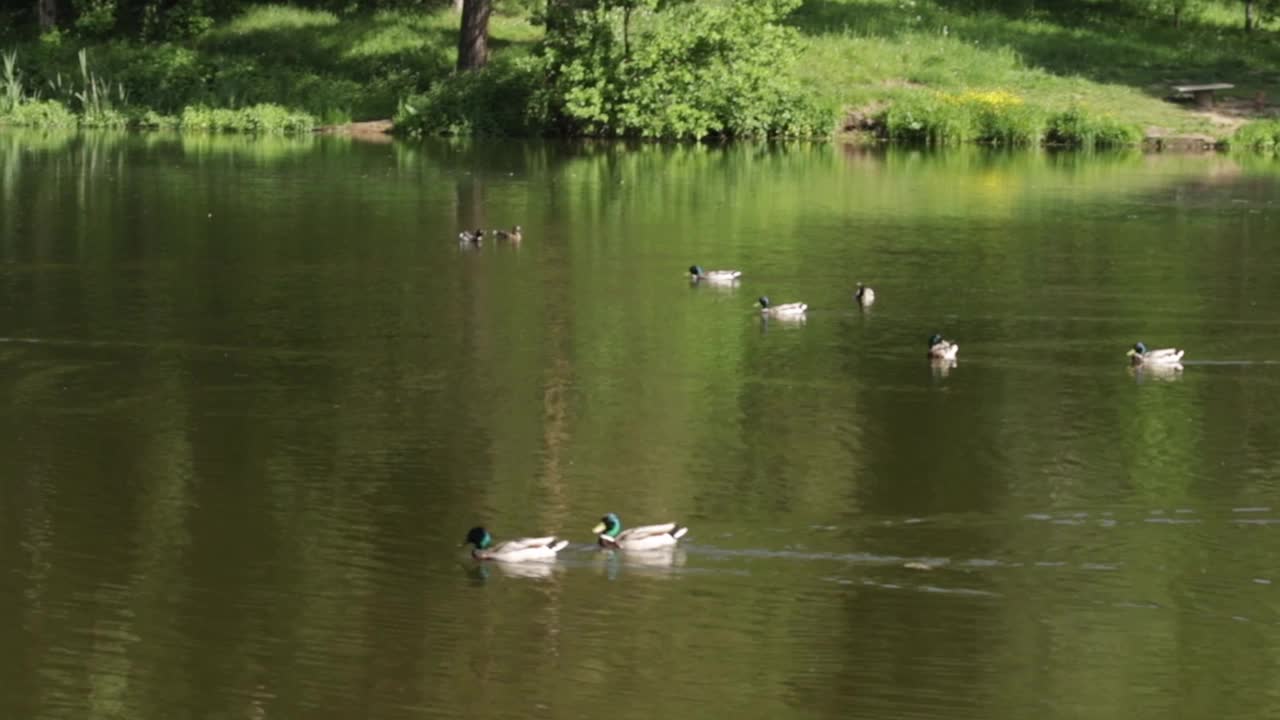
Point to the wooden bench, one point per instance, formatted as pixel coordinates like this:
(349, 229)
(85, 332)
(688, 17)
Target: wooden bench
(1203, 94)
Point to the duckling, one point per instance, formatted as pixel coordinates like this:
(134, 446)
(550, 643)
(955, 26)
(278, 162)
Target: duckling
(1166, 357)
(610, 534)
(515, 550)
(864, 296)
(941, 349)
(789, 310)
(696, 273)
(515, 234)
(471, 236)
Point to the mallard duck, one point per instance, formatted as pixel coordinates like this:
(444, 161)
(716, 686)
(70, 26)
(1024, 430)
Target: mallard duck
(696, 273)
(864, 296)
(610, 534)
(515, 234)
(471, 236)
(789, 310)
(941, 349)
(515, 550)
(1167, 357)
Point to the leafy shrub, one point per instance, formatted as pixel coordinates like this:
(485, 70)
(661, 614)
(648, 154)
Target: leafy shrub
(1257, 135)
(692, 70)
(927, 119)
(262, 118)
(39, 113)
(1000, 117)
(496, 100)
(707, 69)
(162, 77)
(1074, 127)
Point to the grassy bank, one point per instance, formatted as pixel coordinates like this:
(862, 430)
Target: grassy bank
(1099, 59)
(933, 71)
(273, 67)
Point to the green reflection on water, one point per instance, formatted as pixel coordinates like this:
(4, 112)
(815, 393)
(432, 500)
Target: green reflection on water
(258, 393)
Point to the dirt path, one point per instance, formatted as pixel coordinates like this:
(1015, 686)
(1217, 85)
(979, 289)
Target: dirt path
(1226, 116)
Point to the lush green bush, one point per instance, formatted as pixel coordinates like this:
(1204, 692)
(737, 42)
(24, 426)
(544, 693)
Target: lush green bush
(689, 70)
(705, 69)
(496, 100)
(39, 113)
(1257, 135)
(1075, 127)
(263, 118)
(926, 119)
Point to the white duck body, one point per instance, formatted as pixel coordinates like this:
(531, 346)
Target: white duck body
(789, 310)
(514, 550)
(715, 277)
(940, 349)
(610, 534)
(1165, 357)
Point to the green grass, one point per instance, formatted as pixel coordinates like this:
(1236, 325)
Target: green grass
(1095, 73)
(336, 69)
(862, 51)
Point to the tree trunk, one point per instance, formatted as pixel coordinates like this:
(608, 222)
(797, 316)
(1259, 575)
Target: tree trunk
(457, 5)
(626, 32)
(1248, 15)
(473, 39)
(47, 12)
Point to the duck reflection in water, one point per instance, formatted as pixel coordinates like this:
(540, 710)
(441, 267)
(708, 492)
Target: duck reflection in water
(941, 367)
(483, 572)
(658, 562)
(1157, 373)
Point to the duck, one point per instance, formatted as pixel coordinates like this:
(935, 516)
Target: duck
(514, 550)
(789, 310)
(471, 236)
(940, 349)
(515, 234)
(696, 273)
(609, 534)
(1163, 357)
(864, 296)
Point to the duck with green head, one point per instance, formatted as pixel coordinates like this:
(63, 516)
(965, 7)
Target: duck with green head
(610, 534)
(940, 349)
(515, 550)
(1162, 357)
(715, 277)
(471, 237)
(789, 310)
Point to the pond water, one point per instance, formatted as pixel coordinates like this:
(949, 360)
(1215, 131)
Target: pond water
(255, 393)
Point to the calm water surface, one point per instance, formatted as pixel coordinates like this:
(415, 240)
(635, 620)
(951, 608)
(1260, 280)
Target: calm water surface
(255, 394)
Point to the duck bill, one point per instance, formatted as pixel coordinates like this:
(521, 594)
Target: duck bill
(599, 528)
(1131, 353)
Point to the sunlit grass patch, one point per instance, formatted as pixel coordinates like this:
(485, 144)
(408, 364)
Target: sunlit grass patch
(276, 17)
